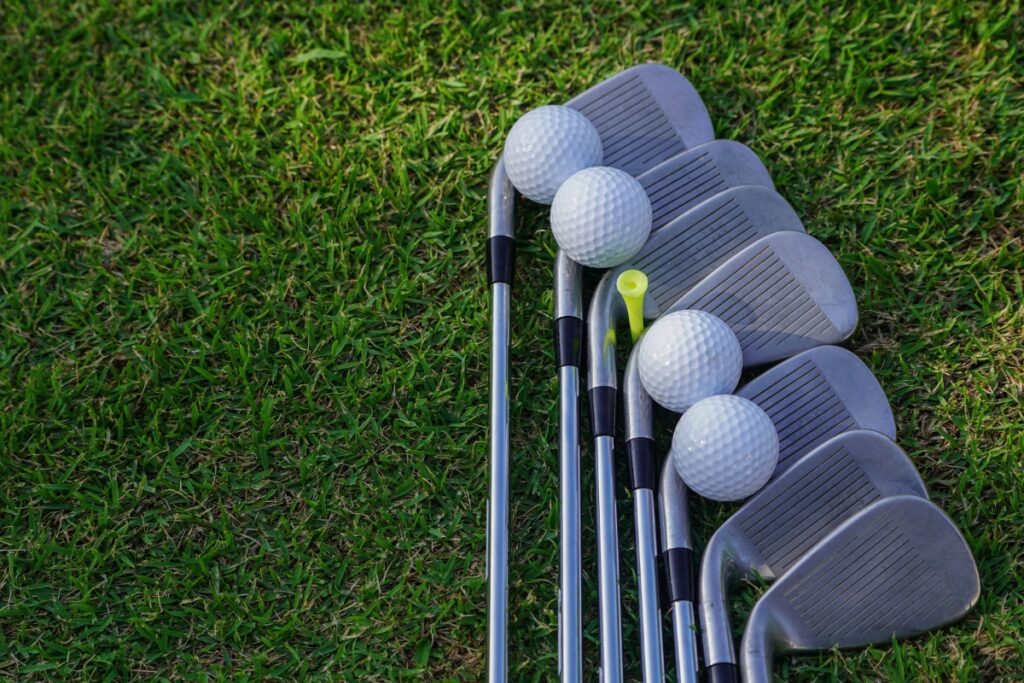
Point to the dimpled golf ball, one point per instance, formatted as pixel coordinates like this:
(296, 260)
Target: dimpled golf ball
(601, 217)
(725, 448)
(689, 355)
(546, 146)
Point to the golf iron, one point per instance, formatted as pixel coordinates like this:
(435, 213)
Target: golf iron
(697, 244)
(811, 397)
(674, 187)
(895, 570)
(644, 115)
(784, 520)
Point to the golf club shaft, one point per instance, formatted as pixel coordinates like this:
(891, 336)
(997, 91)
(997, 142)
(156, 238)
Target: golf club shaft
(647, 570)
(571, 570)
(497, 523)
(684, 635)
(568, 294)
(605, 310)
(608, 561)
(643, 473)
(501, 255)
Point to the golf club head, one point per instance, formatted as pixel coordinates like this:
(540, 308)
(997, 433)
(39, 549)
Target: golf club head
(781, 295)
(680, 183)
(816, 395)
(688, 253)
(688, 248)
(770, 533)
(895, 570)
(645, 115)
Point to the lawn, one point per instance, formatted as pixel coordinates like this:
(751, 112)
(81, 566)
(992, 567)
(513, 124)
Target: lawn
(244, 316)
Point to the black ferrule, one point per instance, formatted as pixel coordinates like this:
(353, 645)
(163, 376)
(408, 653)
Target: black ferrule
(722, 673)
(643, 465)
(680, 577)
(569, 341)
(501, 258)
(602, 411)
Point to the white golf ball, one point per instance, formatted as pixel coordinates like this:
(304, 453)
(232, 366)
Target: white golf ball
(546, 146)
(689, 355)
(725, 448)
(601, 217)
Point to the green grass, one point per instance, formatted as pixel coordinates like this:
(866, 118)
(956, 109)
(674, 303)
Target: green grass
(244, 321)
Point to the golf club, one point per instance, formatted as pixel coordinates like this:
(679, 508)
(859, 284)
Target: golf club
(787, 518)
(843, 395)
(895, 570)
(675, 186)
(816, 395)
(736, 206)
(741, 215)
(645, 115)
(643, 462)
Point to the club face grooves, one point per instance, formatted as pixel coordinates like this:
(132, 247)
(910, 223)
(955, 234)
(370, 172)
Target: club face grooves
(635, 132)
(782, 294)
(826, 487)
(898, 568)
(687, 249)
(782, 526)
(816, 395)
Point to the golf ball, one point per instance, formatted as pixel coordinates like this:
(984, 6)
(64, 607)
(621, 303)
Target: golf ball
(601, 217)
(546, 146)
(725, 448)
(689, 355)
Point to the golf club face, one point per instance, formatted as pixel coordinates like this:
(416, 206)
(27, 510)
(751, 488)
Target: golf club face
(688, 248)
(684, 181)
(783, 294)
(831, 483)
(645, 115)
(770, 533)
(816, 395)
(896, 570)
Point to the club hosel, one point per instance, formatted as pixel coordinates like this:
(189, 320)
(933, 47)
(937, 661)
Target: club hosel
(501, 248)
(606, 311)
(716, 568)
(568, 287)
(675, 509)
(568, 320)
(637, 407)
(757, 649)
(501, 202)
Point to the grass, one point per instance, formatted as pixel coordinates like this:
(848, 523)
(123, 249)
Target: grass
(244, 322)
